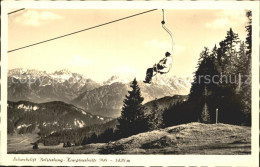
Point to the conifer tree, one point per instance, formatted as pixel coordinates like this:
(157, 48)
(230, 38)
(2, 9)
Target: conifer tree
(249, 32)
(231, 42)
(205, 116)
(206, 78)
(247, 74)
(107, 135)
(132, 120)
(155, 120)
(68, 144)
(221, 55)
(93, 138)
(198, 84)
(84, 141)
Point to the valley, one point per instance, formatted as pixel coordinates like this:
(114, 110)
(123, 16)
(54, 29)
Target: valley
(79, 112)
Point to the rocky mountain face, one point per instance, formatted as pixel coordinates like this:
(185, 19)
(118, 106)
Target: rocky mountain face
(47, 118)
(39, 86)
(107, 100)
(104, 98)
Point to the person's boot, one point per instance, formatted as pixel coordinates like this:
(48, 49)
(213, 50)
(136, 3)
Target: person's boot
(148, 82)
(147, 79)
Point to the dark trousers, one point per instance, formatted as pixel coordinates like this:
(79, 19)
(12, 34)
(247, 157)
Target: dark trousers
(149, 72)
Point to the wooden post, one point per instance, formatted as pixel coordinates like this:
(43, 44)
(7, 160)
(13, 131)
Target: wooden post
(216, 115)
(239, 81)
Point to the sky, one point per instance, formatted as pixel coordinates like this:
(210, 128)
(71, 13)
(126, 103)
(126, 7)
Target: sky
(124, 48)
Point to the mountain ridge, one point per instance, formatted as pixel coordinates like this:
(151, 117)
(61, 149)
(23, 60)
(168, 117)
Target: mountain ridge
(25, 117)
(104, 98)
(163, 103)
(39, 86)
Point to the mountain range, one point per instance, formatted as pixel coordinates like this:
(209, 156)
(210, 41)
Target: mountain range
(57, 122)
(39, 86)
(47, 118)
(105, 98)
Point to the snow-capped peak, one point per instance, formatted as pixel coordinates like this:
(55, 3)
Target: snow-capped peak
(115, 78)
(28, 73)
(61, 75)
(17, 71)
(62, 72)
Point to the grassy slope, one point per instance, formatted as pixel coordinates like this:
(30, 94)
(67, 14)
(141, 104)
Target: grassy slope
(21, 142)
(192, 138)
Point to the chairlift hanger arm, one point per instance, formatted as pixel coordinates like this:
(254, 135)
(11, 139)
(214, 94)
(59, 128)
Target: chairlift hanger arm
(166, 29)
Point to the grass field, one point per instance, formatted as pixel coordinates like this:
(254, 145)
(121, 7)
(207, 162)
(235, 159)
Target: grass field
(17, 142)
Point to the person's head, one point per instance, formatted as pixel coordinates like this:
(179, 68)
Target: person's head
(167, 54)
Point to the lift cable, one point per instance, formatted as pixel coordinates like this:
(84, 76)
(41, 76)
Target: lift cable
(81, 30)
(15, 11)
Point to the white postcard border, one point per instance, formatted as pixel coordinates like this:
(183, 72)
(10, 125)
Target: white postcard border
(141, 160)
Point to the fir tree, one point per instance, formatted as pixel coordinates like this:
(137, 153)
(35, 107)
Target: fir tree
(107, 135)
(93, 138)
(230, 56)
(198, 84)
(85, 141)
(214, 52)
(68, 144)
(206, 78)
(247, 73)
(205, 117)
(249, 32)
(132, 120)
(155, 120)
(241, 67)
(231, 40)
(243, 59)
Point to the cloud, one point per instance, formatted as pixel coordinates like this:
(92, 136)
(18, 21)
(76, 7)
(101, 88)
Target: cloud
(178, 48)
(163, 45)
(81, 61)
(219, 23)
(36, 18)
(233, 14)
(125, 69)
(226, 19)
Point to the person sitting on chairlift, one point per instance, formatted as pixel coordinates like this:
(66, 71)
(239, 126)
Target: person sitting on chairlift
(162, 67)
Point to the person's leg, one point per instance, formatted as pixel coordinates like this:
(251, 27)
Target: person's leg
(149, 75)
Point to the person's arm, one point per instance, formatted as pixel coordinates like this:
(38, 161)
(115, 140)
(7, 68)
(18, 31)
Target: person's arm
(167, 62)
(162, 62)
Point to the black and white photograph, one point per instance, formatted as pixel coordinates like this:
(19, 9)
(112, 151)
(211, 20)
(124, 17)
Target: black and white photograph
(122, 82)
